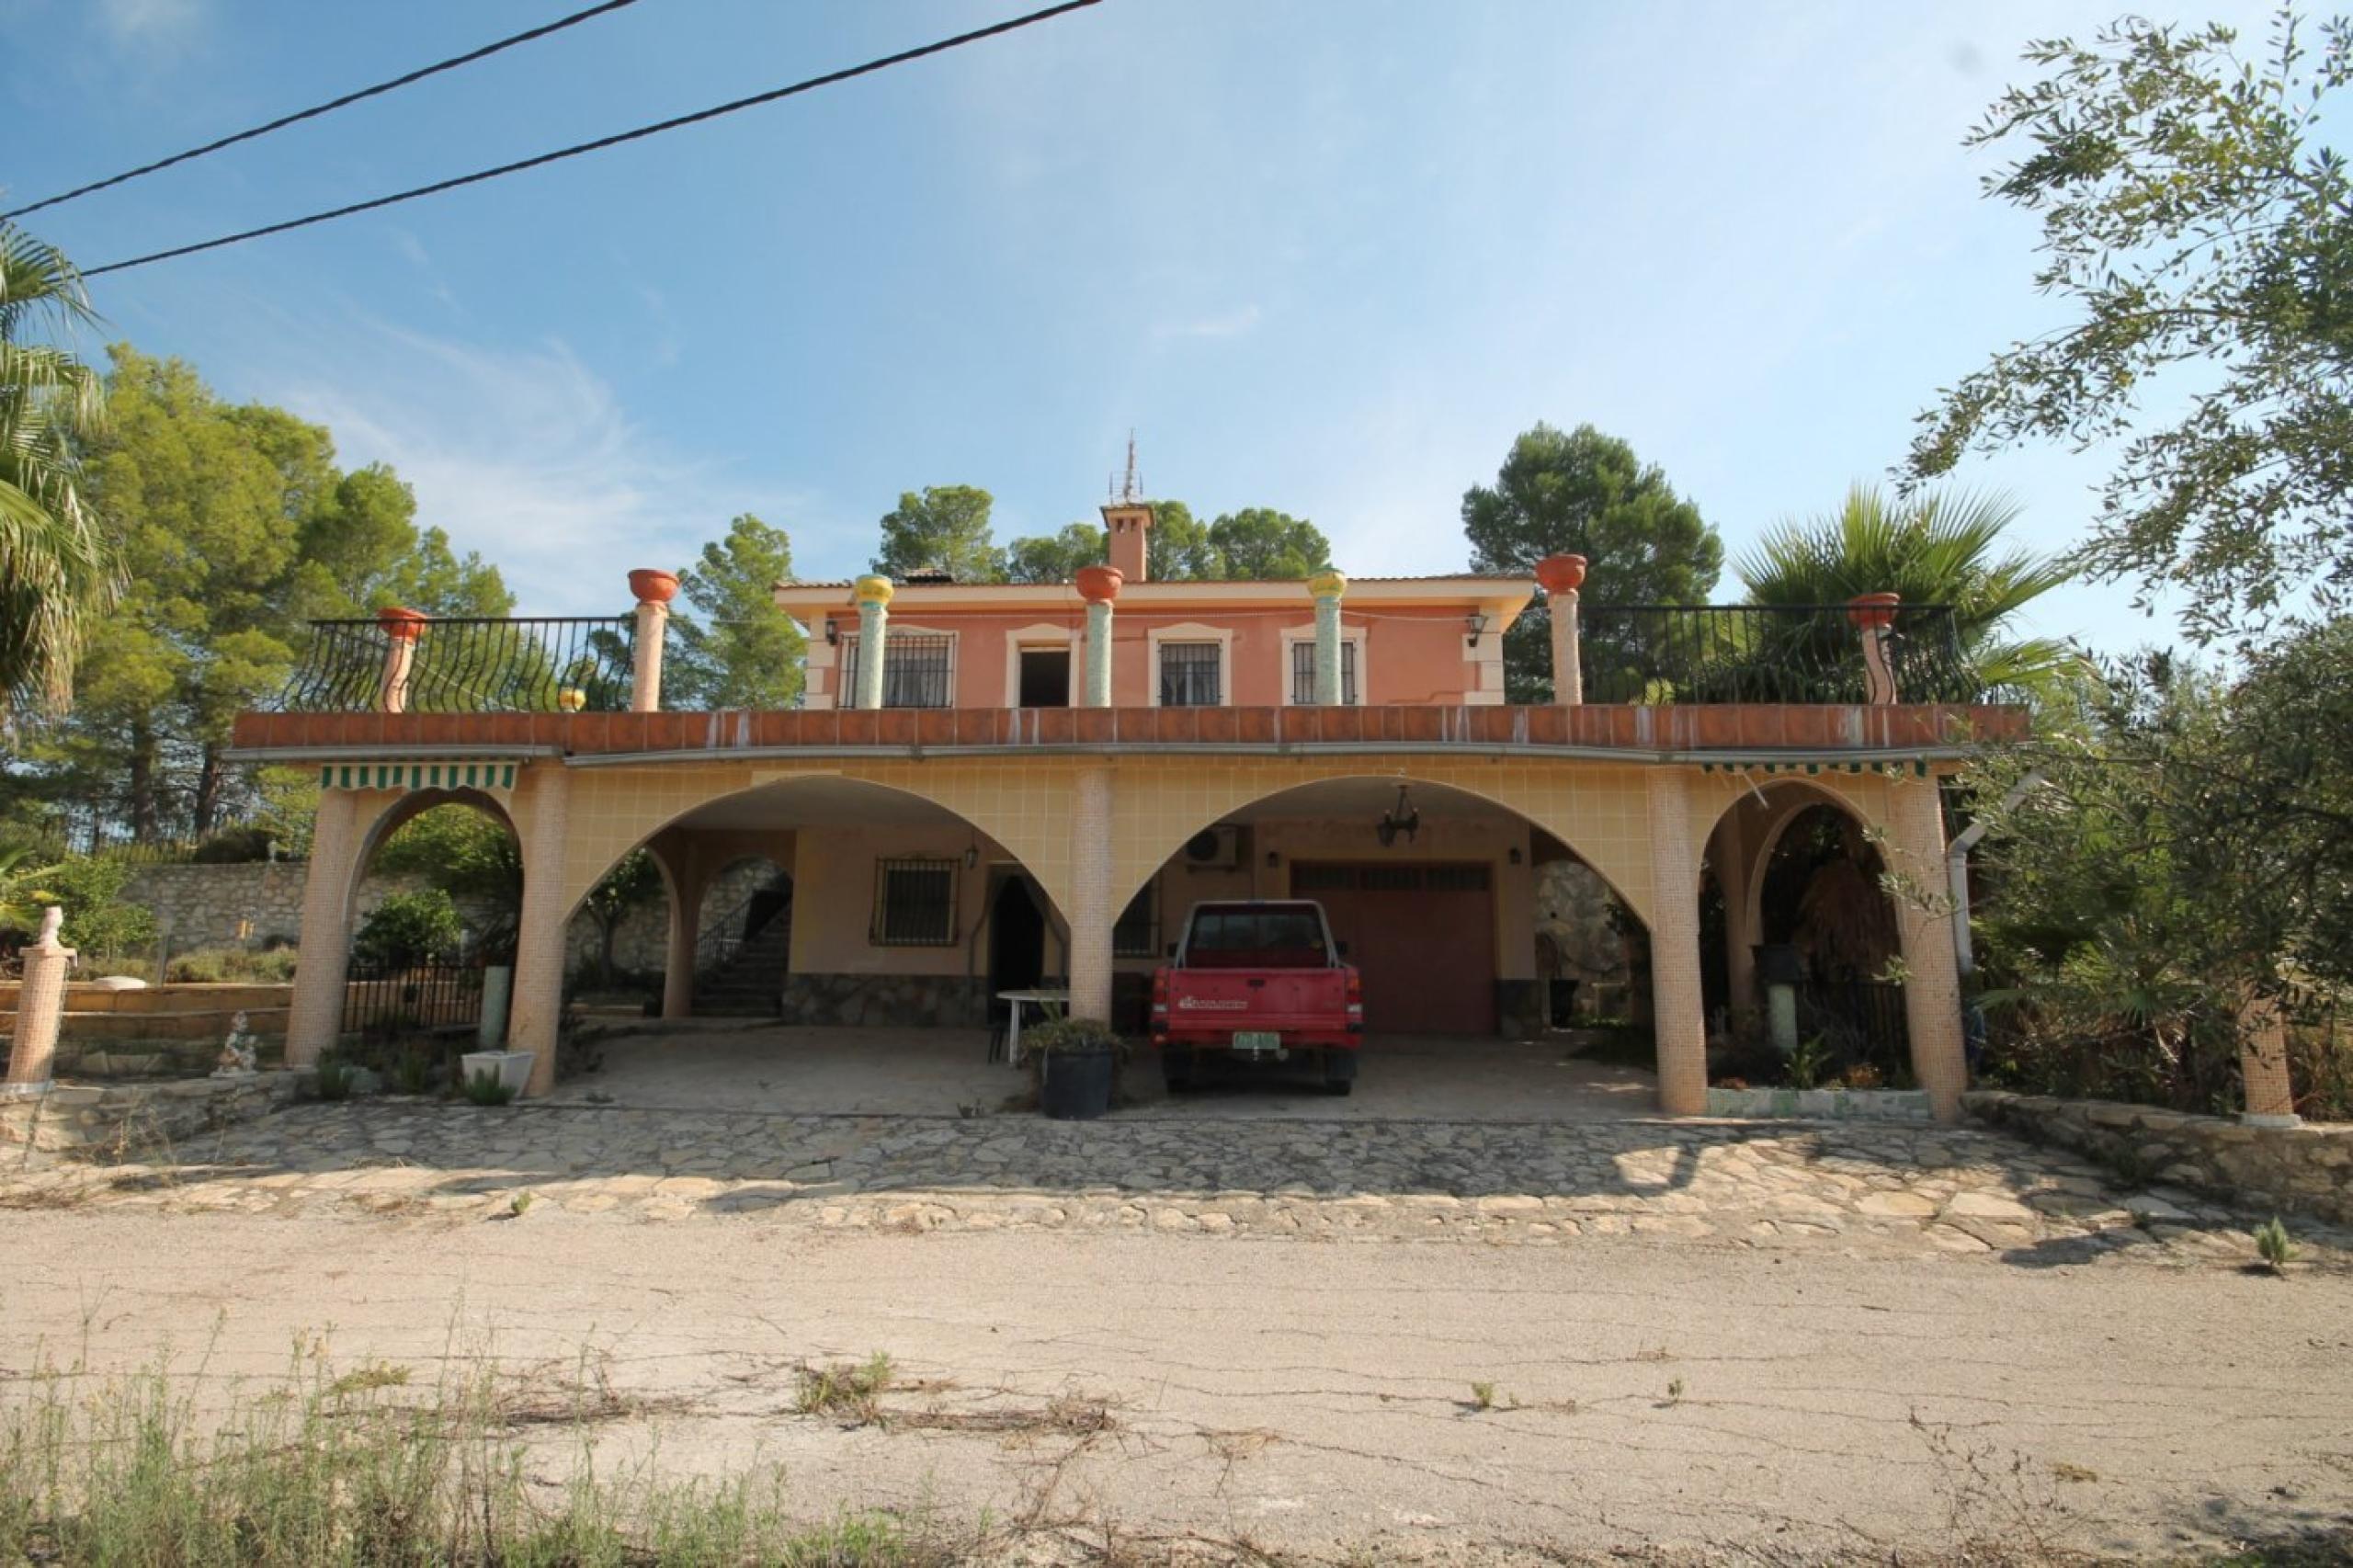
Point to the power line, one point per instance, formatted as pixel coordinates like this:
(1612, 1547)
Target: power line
(828, 79)
(451, 64)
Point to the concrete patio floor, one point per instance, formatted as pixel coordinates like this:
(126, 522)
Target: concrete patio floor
(785, 1070)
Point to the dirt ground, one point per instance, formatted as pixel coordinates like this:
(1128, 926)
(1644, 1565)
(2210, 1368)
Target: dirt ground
(1306, 1395)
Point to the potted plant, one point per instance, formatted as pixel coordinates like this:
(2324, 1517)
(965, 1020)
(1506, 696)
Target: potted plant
(1079, 1062)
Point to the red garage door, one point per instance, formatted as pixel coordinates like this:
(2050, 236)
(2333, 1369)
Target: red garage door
(1424, 934)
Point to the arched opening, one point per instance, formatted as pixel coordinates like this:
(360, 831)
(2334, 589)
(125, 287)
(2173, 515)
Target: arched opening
(743, 943)
(431, 915)
(865, 905)
(1800, 977)
(1491, 955)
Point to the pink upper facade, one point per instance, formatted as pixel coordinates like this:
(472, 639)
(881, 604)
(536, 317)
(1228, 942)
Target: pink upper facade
(1408, 642)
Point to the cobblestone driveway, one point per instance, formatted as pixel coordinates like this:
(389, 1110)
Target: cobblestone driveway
(1855, 1187)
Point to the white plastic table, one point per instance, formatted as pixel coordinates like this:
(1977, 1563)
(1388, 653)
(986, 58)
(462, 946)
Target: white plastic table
(1012, 1025)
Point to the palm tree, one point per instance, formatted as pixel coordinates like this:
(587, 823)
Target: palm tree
(1933, 548)
(58, 572)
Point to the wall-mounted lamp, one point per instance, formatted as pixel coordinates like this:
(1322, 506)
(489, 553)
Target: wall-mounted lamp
(1477, 621)
(833, 632)
(1514, 854)
(1274, 858)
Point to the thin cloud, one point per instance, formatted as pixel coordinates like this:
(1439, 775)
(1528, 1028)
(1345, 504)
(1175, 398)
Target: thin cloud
(152, 24)
(529, 456)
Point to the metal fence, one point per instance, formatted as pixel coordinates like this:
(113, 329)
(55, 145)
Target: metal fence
(1860, 1020)
(919, 673)
(1659, 653)
(508, 664)
(384, 1002)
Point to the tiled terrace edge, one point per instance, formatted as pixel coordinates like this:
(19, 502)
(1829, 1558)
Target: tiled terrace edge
(1680, 730)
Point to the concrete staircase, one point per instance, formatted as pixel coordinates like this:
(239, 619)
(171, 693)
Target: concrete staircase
(750, 984)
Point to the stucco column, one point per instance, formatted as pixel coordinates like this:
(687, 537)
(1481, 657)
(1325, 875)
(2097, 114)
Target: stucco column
(1874, 617)
(655, 590)
(1098, 585)
(314, 1013)
(1678, 1015)
(41, 1011)
(1091, 914)
(401, 629)
(2263, 1066)
(685, 930)
(1731, 859)
(1561, 576)
(1915, 841)
(538, 1009)
(1327, 588)
(873, 594)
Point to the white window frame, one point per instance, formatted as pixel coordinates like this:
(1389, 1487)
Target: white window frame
(1191, 632)
(846, 698)
(1045, 635)
(1295, 635)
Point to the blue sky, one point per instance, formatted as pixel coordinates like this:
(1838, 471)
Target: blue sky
(1328, 256)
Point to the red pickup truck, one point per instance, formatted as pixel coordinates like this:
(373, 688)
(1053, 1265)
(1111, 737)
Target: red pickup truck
(1259, 981)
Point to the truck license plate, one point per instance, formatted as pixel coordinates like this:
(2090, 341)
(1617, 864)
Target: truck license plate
(1258, 1039)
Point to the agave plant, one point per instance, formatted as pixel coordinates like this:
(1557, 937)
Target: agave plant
(1938, 548)
(58, 572)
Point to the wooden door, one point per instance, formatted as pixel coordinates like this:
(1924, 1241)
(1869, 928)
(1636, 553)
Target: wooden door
(1423, 933)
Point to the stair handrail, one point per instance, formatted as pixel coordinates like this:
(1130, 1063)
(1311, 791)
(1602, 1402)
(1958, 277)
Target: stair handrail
(721, 938)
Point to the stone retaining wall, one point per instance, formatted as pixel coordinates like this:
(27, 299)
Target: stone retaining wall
(2308, 1168)
(80, 1121)
(1825, 1105)
(921, 1001)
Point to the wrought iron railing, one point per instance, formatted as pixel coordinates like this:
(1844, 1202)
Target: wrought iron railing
(722, 936)
(1860, 1021)
(384, 1002)
(1660, 654)
(508, 664)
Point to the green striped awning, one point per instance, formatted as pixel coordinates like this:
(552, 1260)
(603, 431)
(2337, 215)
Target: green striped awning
(1815, 767)
(410, 773)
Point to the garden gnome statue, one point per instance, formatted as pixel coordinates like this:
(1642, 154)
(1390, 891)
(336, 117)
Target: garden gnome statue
(40, 1007)
(237, 1050)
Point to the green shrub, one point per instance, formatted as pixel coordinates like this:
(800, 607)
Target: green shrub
(333, 1078)
(242, 966)
(236, 847)
(486, 1087)
(412, 1072)
(98, 920)
(1074, 1035)
(410, 928)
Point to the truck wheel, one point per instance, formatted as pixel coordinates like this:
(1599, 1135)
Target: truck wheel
(1339, 1071)
(1176, 1070)
(1339, 1087)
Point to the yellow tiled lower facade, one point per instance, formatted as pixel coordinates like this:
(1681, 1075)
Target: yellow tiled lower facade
(1093, 830)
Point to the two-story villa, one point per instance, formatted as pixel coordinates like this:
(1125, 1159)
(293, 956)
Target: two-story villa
(992, 786)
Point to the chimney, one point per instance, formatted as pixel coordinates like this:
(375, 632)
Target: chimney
(1130, 525)
(1126, 516)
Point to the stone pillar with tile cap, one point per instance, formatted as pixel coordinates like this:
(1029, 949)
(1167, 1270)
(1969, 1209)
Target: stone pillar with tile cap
(2263, 1066)
(1561, 576)
(1091, 912)
(1916, 853)
(873, 596)
(1678, 1011)
(1874, 617)
(1098, 585)
(41, 1011)
(401, 629)
(654, 589)
(542, 821)
(1327, 587)
(314, 1013)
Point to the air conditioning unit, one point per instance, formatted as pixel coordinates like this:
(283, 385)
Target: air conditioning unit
(1215, 849)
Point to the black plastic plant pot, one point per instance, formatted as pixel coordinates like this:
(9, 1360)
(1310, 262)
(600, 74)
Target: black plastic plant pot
(1075, 1085)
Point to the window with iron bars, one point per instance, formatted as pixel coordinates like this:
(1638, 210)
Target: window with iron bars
(914, 904)
(919, 673)
(1303, 672)
(1137, 935)
(1188, 674)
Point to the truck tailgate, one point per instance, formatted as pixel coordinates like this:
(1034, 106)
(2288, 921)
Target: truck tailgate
(1277, 999)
